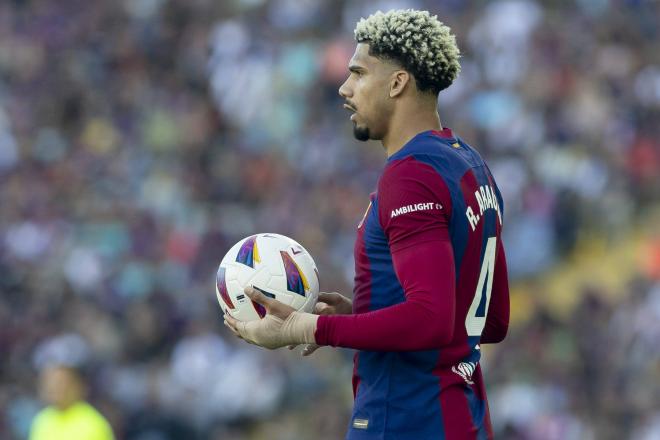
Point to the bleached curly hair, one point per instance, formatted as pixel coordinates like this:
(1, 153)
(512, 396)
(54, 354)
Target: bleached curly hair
(415, 39)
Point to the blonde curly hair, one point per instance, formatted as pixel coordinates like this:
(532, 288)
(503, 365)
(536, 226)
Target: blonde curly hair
(415, 39)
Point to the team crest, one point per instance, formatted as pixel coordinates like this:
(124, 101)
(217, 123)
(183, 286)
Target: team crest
(295, 279)
(249, 253)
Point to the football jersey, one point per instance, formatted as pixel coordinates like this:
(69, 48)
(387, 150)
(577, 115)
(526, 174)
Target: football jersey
(79, 421)
(435, 191)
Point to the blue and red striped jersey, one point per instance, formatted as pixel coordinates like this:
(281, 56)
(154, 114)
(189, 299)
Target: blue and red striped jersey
(430, 286)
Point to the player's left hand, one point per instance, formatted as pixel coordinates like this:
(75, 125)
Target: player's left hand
(281, 326)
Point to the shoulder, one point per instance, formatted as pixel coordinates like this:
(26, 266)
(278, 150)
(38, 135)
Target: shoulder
(411, 179)
(449, 158)
(45, 413)
(87, 412)
(43, 416)
(411, 189)
(86, 409)
(408, 170)
(41, 424)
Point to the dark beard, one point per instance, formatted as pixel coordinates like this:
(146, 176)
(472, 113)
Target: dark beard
(361, 133)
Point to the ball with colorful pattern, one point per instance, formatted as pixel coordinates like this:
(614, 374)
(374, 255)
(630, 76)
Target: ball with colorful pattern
(276, 265)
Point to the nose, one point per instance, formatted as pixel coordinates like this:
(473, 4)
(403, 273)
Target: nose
(344, 90)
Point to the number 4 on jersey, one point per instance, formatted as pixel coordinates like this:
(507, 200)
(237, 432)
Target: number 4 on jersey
(476, 316)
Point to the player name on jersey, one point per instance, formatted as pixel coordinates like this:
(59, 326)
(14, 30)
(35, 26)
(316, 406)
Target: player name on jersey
(416, 207)
(486, 199)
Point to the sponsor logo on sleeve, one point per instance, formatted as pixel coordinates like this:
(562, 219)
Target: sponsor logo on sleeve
(425, 206)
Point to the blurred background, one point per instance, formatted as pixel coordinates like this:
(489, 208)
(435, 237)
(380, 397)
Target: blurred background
(140, 139)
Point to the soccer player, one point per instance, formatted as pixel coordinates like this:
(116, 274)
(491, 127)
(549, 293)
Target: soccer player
(431, 279)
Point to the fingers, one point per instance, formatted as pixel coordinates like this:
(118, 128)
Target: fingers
(333, 303)
(258, 297)
(309, 349)
(332, 298)
(321, 308)
(232, 324)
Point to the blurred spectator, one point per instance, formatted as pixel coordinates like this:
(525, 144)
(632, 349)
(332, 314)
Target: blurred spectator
(68, 416)
(63, 387)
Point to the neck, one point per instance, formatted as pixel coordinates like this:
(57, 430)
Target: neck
(402, 129)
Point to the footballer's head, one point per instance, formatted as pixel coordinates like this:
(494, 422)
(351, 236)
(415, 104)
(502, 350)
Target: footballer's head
(62, 386)
(400, 55)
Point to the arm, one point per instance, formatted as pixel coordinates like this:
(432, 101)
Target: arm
(424, 321)
(497, 321)
(422, 258)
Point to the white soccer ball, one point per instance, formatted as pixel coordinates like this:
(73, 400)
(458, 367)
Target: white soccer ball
(274, 264)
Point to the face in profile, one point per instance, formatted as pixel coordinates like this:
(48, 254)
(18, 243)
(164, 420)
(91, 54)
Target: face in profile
(366, 94)
(61, 386)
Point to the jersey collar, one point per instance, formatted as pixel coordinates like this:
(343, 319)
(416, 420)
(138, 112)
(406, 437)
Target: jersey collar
(445, 134)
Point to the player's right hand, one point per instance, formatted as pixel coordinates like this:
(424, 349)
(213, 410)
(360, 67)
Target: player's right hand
(329, 303)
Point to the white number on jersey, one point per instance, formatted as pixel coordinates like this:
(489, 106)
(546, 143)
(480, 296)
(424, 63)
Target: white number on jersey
(474, 324)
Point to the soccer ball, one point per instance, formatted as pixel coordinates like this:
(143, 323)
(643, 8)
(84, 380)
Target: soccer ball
(277, 266)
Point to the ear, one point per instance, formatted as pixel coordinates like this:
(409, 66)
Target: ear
(398, 82)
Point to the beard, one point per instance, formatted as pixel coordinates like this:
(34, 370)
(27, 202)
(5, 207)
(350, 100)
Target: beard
(361, 133)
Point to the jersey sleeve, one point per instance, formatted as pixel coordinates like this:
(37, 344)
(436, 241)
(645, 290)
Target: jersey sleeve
(414, 204)
(424, 321)
(414, 208)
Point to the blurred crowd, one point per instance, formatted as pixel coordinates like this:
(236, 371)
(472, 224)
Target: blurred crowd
(140, 139)
(592, 375)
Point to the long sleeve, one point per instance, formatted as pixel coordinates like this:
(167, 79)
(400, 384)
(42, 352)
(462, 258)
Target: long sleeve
(425, 320)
